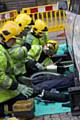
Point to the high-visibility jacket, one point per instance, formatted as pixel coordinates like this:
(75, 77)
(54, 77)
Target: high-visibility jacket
(36, 45)
(6, 76)
(19, 55)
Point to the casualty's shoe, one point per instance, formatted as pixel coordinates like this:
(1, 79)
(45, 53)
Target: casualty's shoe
(54, 96)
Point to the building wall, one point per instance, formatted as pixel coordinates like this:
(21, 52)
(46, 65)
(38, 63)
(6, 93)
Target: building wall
(18, 4)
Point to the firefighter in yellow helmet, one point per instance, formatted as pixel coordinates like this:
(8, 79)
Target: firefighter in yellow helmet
(37, 35)
(39, 27)
(23, 20)
(35, 41)
(9, 29)
(25, 23)
(10, 88)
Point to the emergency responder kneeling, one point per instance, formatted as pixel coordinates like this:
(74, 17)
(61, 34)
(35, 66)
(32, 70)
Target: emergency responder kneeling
(10, 89)
(40, 49)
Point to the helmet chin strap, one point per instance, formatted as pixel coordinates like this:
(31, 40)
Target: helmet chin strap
(5, 45)
(1, 39)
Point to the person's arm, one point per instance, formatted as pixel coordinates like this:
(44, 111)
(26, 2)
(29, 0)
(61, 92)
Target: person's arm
(35, 52)
(6, 81)
(28, 41)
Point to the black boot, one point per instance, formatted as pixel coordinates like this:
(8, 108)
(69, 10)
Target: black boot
(55, 96)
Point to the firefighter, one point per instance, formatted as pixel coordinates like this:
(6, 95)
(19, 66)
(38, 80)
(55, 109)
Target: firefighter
(11, 89)
(25, 23)
(18, 54)
(37, 33)
(35, 41)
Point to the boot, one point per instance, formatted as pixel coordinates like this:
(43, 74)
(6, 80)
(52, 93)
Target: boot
(55, 96)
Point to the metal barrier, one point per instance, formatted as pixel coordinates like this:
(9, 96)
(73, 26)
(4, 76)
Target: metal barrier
(68, 1)
(9, 15)
(53, 17)
(50, 14)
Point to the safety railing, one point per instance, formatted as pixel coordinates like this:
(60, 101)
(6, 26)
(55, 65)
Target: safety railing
(5, 16)
(53, 17)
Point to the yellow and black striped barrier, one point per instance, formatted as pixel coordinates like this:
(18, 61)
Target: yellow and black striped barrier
(9, 15)
(53, 17)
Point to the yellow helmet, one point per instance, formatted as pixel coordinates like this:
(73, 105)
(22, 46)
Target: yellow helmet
(23, 20)
(9, 30)
(39, 26)
(53, 45)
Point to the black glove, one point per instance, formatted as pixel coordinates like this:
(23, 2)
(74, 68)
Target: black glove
(28, 46)
(30, 63)
(32, 67)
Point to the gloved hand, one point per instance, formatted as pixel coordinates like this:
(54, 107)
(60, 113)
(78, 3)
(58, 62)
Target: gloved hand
(26, 91)
(30, 63)
(40, 66)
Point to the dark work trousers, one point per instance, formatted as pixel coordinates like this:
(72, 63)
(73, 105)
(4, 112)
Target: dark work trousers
(49, 82)
(10, 103)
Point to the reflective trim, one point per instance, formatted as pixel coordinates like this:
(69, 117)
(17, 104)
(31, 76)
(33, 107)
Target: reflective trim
(21, 52)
